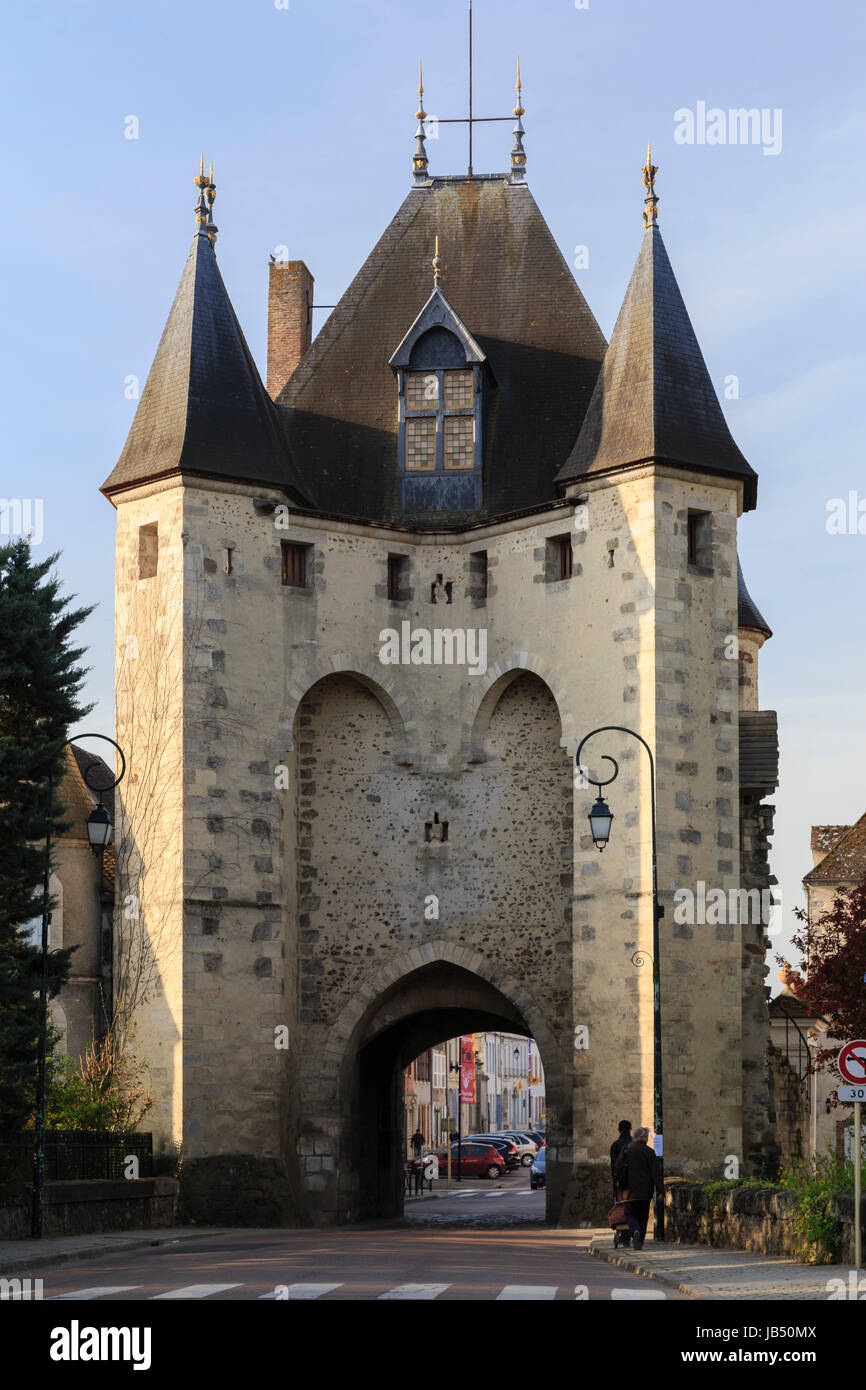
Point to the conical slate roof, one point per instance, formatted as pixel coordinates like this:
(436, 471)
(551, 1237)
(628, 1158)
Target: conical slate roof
(204, 409)
(748, 613)
(654, 398)
(511, 287)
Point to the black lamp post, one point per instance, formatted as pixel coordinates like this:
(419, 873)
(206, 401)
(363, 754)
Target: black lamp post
(458, 1067)
(600, 820)
(98, 835)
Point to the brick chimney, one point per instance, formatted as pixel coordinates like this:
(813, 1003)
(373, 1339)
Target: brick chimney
(290, 320)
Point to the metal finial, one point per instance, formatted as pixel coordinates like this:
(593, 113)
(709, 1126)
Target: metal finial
(650, 214)
(419, 159)
(437, 271)
(518, 154)
(210, 193)
(203, 208)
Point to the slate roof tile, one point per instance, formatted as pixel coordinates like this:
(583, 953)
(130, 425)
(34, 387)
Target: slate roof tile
(509, 283)
(748, 613)
(204, 409)
(654, 398)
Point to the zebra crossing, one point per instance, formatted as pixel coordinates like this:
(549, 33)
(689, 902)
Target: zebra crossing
(509, 1293)
(497, 1192)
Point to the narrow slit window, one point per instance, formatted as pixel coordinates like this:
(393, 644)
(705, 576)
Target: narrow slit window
(478, 575)
(148, 550)
(699, 548)
(293, 564)
(398, 577)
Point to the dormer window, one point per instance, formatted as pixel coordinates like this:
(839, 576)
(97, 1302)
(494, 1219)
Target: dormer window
(439, 419)
(441, 381)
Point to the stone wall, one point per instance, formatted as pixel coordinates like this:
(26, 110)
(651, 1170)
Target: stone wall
(300, 834)
(91, 1206)
(747, 1218)
(760, 1151)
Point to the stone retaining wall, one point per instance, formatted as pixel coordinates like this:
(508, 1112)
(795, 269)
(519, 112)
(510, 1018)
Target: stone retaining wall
(747, 1218)
(86, 1207)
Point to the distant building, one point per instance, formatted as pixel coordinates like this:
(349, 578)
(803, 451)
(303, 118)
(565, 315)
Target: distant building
(82, 886)
(838, 862)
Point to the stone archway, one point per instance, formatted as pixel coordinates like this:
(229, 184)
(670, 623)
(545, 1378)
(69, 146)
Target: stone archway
(413, 1011)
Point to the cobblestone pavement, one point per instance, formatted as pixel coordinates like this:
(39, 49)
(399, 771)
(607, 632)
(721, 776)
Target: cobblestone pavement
(707, 1273)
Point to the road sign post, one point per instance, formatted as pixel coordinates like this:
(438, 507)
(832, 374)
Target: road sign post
(852, 1066)
(858, 1195)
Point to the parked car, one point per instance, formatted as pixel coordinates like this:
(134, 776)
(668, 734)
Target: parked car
(477, 1159)
(539, 1136)
(505, 1146)
(525, 1146)
(538, 1171)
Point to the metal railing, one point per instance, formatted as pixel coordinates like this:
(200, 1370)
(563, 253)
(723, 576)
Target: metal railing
(82, 1154)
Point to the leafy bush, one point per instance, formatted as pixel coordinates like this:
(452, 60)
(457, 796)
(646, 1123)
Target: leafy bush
(817, 1229)
(104, 1090)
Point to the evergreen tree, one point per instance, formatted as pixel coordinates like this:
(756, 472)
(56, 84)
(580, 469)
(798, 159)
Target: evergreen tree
(39, 686)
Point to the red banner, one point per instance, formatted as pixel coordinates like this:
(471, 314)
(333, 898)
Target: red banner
(467, 1069)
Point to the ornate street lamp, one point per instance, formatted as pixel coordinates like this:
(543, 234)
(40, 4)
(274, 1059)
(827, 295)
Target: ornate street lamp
(600, 820)
(98, 836)
(98, 826)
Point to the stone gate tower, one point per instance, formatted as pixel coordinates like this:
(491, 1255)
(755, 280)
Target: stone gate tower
(364, 618)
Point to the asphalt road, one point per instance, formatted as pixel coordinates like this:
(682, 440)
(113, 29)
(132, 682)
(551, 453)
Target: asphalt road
(397, 1262)
(483, 1241)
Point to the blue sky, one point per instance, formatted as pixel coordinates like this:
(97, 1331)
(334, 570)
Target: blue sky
(307, 112)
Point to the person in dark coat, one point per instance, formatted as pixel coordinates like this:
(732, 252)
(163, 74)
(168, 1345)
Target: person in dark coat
(637, 1171)
(617, 1147)
(417, 1142)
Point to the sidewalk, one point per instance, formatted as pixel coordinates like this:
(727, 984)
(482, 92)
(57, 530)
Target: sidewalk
(707, 1273)
(25, 1256)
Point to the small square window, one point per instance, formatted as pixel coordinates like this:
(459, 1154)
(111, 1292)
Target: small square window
(398, 577)
(293, 564)
(148, 550)
(420, 444)
(559, 558)
(459, 441)
(459, 390)
(422, 391)
(700, 540)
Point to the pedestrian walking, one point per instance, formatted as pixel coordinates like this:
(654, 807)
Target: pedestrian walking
(417, 1143)
(637, 1172)
(616, 1149)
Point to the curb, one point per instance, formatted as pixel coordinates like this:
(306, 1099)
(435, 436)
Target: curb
(634, 1266)
(20, 1264)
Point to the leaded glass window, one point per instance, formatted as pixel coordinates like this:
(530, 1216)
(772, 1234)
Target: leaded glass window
(421, 443)
(459, 441)
(422, 391)
(459, 390)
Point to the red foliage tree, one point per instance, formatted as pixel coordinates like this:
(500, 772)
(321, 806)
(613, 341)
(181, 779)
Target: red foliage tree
(833, 948)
